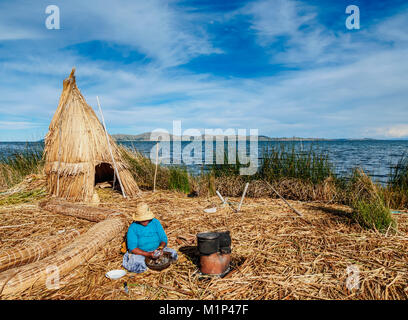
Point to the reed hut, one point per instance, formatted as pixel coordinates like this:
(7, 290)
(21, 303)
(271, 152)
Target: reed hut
(79, 153)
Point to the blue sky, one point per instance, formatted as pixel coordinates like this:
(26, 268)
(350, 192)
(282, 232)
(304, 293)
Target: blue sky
(285, 67)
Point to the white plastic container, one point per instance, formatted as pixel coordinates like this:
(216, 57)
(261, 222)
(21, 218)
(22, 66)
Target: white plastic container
(115, 274)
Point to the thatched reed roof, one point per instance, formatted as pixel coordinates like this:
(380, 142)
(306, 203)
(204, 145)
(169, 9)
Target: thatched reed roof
(76, 149)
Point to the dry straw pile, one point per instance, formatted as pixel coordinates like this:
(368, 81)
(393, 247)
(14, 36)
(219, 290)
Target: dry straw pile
(275, 253)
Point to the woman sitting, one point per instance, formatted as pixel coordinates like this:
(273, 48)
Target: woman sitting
(145, 235)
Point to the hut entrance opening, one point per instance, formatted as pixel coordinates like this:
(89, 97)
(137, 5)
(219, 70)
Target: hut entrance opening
(104, 172)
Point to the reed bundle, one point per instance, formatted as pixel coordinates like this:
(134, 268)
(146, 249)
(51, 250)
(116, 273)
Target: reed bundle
(79, 251)
(77, 210)
(21, 255)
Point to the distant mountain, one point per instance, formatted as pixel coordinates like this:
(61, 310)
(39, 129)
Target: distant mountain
(146, 137)
(129, 137)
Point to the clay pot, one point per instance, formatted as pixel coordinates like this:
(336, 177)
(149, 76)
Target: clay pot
(215, 252)
(215, 263)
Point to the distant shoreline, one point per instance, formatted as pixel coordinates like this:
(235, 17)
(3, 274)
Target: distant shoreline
(145, 137)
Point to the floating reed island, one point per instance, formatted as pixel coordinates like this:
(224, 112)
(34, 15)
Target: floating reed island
(276, 254)
(301, 232)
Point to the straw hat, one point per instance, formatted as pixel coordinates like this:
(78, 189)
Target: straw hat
(143, 213)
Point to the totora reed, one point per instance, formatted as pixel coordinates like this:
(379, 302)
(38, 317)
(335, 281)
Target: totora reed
(275, 253)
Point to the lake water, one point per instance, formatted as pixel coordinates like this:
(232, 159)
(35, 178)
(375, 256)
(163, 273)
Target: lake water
(374, 156)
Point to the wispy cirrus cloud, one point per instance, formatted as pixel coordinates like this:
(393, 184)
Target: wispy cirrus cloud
(17, 125)
(339, 84)
(292, 32)
(160, 30)
(289, 30)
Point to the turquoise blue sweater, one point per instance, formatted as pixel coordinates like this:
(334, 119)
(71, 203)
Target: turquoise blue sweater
(146, 238)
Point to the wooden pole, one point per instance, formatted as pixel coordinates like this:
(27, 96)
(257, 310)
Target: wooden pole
(243, 196)
(114, 180)
(155, 170)
(59, 141)
(297, 212)
(59, 158)
(220, 196)
(110, 150)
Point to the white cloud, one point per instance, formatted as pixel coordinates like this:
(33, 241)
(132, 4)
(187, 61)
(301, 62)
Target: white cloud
(294, 21)
(17, 125)
(290, 31)
(395, 131)
(18, 23)
(367, 91)
(161, 30)
(157, 28)
(336, 101)
(394, 29)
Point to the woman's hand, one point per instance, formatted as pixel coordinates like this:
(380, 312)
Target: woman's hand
(157, 253)
(142, 253)
(161, 247)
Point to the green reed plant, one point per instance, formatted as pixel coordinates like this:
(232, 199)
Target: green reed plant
(224, 169)
(281, 162)
(23, 197)
(179, 179)
(370, 209)
(142, 169)
(16, 166)
(372, 214)
(399, 174)
(396, 191)
(285, 161)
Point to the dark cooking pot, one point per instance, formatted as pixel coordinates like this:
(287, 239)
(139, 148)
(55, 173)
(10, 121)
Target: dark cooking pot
(225, 241)
(208, 242)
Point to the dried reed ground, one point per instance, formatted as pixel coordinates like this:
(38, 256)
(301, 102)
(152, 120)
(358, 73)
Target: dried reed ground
(276, 255)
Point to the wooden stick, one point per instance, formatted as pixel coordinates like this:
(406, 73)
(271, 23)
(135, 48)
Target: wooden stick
(59, 157)
(155, 170)
(114, 180)
(59, 144)
(220, 196)
(17, 225)
(176, 290)
(243, 196)
(110, 150)
(297, 212)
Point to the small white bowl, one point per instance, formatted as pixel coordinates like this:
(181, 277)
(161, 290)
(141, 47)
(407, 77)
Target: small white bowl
(115, 274)
(211, 210)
